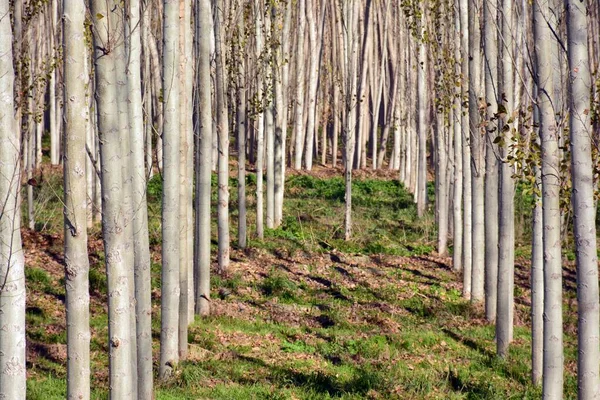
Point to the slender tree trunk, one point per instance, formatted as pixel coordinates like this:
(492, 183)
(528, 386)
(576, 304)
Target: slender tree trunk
(54, 133)
(169, 356)
(350, 82)
(12, 263)
(476, 94)
(185, 179)
(203, 158)
(141, 248)
(113, 217)
(467, 194)
(506, 227)
(423, 126)
(544, 22)
(457, 252)
(75, 206)
(313, 80)
(584, 210)
(490, 10)
(241, 144)
(300, 61)
(223, 133)
(260, 130)
(537, 280)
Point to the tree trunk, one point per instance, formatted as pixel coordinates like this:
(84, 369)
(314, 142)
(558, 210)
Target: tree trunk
(544, 23)
(241, 142)
(12, 263)
(75, 209)
(300, 61)
(466, 156)
(169, 355)
(477, 150)
(423, 126)
(223, 136)
(113, 218)
(141, 249)
(506, 226)
(203, 158)
(490, 11)
(584, 210)
(260, 129)
(458, 153)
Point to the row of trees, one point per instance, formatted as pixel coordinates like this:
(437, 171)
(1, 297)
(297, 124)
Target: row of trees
(475, 90)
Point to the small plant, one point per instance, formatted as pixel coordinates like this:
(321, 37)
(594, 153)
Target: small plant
(278, 285)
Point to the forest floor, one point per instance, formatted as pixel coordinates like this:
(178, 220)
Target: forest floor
(304, 314)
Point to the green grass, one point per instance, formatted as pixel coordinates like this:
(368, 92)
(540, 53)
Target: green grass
(293, 322)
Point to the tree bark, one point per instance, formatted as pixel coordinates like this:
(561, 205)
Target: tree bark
(170, 289)
(223, 136)
(75, 206)
(490, 10)
(141, 247)
(113, 217)
(12, 263)
(584, 209)
(544, 23)
(203, 158)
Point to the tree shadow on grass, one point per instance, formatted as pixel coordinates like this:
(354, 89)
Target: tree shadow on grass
(362, 380)
(468, 342)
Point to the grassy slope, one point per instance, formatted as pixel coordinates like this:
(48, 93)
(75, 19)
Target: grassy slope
(305, 315)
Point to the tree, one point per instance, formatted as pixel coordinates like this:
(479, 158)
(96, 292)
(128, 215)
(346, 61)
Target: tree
(12, 262)
(477, 152)
(506, 227)
(170, 290)
(458, 153)
(77, 265)
(241, 137)
(260, 128)
(203, 158)
(223, 134)
(490, 16)
(300, 68)
(113, 218)
(584, 207)
(546, 64)
(186, 282)
(466, 156)
(141, 249)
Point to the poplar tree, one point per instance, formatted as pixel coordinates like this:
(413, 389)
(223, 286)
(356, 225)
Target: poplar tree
(77, 265)
(584, 207)
(12, 262)
(170, 290)
(113, 218)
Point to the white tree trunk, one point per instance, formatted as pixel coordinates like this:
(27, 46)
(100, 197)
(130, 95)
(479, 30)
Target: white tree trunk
(141, 249)
(476, 94)
(300, 61)
(203, 158)
(584, 209)
(223, 136)
(490, 11)
(75, 205)
(12, 263)
(544, 22)
(113, 218)
(458, 153)
(169, 356)
(506, 226)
